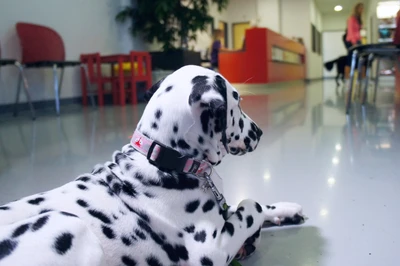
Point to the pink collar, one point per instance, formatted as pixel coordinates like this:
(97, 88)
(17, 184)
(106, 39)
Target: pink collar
(166, 158)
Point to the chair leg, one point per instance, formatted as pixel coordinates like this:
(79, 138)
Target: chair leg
(56, 89)
(378, 61)
(353, 66)
(85, 86)
(367, 76)
(26, 89)
(359, 77)
(17, 95)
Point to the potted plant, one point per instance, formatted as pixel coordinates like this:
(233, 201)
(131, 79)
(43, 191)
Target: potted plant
(172, 23)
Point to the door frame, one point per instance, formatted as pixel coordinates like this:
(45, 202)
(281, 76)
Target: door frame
(225, 31)
(233, 29)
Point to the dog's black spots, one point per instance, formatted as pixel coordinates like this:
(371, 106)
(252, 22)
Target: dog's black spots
(211, 134)
(190, 229)
(252, 135)
(180, 235)
(98, 171)
(7, 247)
(182, 252)
(200, 140)
(141, 214)
(168, 88)
(63, 243)
(229, 228)
(68, 214)
(200, 236)
(129, 189)
(144, 225)
(154, 126)
(108, 232)
(173, 143)
(231, 112)
(235, 95)
(149, 195)
(199, 79)
(233, 121)
(181, 182)
(4, 208)
(100, 215)
(126, 241)
(134, 238)
(128, 261)
(158, 114)
(192, 206)
(109, 178)
(138, 176)
(82, 187)
(103, 183)
(175, 128)
(117, 188)
(249, 221)
(44, 211)
(195, 152)
(115, 217)
(83, 179)
(214, 235)
(206, 261)
(208, 206)
(237, 137)
(232, 134)
(20, 230)
(36, 201)
(205, 119)
(268, 206)
(228, 258)
(273, 207)
(239, 215)
(153, 261)
(156, 237)
(39, 223)
(128, 166)
(258, 207)
(241, 125)
(183, 144)
(140, 234)
(247, 142)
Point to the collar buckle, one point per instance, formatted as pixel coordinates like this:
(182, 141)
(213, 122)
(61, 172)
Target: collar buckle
(165, 158)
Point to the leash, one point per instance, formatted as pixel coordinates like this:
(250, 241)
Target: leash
(168, 159)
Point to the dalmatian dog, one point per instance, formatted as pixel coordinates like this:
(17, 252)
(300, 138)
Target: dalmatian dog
(154, 203)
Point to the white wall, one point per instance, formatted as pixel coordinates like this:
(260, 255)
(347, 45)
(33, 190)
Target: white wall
(268, 12)
(292, 26)
(85, 26)
(334, 22)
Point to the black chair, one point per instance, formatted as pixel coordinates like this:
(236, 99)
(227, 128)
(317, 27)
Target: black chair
(369, 52)
(17, 64)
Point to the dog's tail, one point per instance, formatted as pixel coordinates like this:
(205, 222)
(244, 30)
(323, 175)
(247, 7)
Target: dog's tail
(329, 65)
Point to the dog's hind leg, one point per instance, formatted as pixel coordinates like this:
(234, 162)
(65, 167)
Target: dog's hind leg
(52, 238)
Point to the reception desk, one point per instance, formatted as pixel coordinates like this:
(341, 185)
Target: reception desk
(267, 57)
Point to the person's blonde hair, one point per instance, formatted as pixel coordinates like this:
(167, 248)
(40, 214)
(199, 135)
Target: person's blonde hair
(356, 13)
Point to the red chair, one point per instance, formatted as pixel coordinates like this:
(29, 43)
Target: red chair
(43, 47)
(124, 74)
(143, 61)
(17, 64)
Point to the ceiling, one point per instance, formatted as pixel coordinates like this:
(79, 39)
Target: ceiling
(326, 6)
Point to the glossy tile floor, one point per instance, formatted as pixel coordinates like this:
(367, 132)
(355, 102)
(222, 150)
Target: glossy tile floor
(345, 172)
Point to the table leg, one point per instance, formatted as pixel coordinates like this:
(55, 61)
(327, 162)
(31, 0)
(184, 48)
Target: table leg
(121, 83)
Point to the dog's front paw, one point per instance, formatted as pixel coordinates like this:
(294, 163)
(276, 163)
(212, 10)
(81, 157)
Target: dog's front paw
(285, 213)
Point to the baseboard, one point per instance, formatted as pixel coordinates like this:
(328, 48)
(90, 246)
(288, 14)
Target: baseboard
(314, 79)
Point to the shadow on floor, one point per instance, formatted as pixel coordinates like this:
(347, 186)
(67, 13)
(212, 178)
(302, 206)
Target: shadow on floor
(289, 246)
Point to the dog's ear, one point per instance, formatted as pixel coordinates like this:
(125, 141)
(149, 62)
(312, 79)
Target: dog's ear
(209, 98)
(152, 90)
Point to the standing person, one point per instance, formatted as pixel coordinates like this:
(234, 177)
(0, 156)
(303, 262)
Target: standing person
(354, 25)
(216, 47)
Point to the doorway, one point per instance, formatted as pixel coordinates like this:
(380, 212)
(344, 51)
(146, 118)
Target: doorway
(222, 25)
(238, 34)
(332, 48)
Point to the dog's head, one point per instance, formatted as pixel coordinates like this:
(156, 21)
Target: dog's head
(197, 112)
